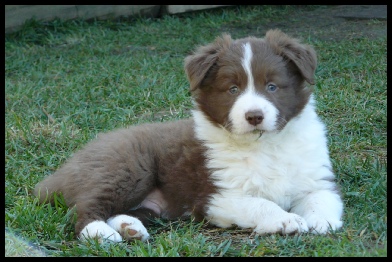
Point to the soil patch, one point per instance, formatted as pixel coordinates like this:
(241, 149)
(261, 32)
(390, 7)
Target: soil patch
(336, 22)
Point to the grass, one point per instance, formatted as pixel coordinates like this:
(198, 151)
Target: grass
(67, 81)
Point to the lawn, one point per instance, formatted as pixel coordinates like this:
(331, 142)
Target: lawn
(67, 81)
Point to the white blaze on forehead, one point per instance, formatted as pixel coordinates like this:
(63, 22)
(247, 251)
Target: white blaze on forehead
(246, 63)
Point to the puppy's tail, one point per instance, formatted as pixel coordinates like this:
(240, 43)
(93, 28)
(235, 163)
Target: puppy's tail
(46, 190)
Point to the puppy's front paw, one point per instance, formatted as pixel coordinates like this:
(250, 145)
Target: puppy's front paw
(287, 224)
(99, 230)
(319, 225)
(129, 227)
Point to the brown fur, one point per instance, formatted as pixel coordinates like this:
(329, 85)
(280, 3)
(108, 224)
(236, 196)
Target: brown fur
(114, 173)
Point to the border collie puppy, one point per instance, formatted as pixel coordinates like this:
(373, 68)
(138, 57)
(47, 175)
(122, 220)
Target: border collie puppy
(254, 154)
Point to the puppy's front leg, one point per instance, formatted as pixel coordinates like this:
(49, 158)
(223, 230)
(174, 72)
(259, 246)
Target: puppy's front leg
(321, 209)
(264, 216)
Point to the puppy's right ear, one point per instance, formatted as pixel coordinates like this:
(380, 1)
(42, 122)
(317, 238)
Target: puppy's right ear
(302, 55)
(199, 63)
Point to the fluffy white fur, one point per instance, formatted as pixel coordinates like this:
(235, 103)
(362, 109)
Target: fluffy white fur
(264, 178)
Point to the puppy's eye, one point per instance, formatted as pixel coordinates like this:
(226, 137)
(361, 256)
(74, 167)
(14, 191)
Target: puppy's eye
(271, 88)
(233, 90)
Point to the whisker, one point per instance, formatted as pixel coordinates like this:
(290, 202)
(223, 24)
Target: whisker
(280, 123)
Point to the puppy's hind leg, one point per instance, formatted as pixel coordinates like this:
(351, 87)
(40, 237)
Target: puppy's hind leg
(132, 225)
(91, 222)
(99, 217)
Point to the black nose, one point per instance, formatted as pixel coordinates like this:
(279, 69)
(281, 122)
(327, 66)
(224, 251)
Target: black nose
(254, 117)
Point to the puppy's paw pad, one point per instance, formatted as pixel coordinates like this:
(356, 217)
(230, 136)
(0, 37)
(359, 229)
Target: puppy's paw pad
(129, 227)
(130, 233)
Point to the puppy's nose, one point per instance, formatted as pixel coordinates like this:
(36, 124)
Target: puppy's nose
(254, 117)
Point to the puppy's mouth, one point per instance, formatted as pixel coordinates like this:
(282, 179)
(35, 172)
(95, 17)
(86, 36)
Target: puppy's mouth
(254, 130)
(258, 132)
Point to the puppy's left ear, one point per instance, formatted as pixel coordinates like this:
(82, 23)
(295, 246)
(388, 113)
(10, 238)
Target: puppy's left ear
(200, 62)
(303, 56)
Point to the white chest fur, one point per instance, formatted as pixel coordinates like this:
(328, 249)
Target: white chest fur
(277, 166)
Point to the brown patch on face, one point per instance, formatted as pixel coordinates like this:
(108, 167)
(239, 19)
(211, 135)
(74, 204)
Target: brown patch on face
(292, 94)
(297, 64)
(218, 67)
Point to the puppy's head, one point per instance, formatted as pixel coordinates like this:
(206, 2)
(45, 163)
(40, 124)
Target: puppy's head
(251, 83)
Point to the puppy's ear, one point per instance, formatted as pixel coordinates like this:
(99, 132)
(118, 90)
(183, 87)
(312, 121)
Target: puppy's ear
(199, 63)
(303, 56)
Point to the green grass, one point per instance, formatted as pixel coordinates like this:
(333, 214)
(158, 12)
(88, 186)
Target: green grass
(67, 81)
